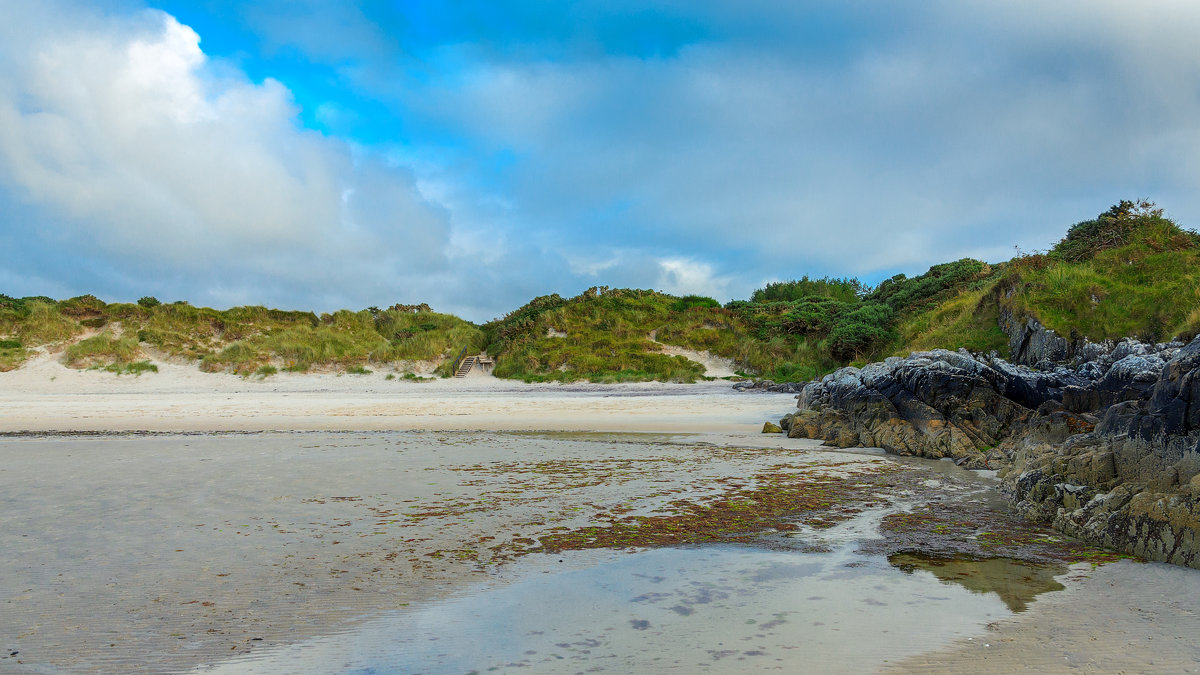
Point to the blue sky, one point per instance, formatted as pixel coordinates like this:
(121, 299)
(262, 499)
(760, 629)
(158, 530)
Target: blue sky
(473, 155)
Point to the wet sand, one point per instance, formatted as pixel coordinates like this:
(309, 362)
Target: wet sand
(165, 552)
(1124, 617)
(160, 552)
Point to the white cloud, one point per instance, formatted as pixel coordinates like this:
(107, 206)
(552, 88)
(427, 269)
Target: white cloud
(680, 276)
(132, 148)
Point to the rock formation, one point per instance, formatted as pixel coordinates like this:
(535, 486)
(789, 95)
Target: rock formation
(1105, 444)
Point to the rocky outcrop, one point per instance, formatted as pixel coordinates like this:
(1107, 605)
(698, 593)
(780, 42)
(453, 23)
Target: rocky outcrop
(931, 404)
(768, 386)
(1031, 343)
(1134, 482)
(1105, 446)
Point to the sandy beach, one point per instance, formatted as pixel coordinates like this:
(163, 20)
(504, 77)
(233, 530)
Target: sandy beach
(301, 509)
(44, 395)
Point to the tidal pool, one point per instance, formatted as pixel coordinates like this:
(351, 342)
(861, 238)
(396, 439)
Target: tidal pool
(699, 609)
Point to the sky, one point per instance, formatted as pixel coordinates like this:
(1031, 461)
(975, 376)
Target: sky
(473, 155)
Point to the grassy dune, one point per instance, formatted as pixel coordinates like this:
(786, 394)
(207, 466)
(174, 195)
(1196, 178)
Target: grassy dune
(604, 335)
(244, 340)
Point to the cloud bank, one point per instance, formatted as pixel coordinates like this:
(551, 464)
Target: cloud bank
(133, 156)
(475, 156)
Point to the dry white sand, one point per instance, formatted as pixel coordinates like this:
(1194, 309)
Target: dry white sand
(44, 395)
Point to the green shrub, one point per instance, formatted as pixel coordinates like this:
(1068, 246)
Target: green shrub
(940, 282)
(148, 301)
(853, 340)
(842, 290)
(813, 314)
(1125, 223)
(82, 306)
(689, 301)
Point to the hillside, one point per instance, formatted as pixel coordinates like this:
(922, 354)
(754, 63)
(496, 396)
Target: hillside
(1128, 272)
(125, 337)
(616, 335)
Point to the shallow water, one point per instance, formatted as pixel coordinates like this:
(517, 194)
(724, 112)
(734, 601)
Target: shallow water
(710, 609)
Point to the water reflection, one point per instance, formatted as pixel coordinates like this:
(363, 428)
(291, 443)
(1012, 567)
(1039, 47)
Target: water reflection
(716, 609)
(1014, 581)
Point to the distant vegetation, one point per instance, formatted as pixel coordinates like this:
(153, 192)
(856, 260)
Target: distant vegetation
(841, 320)
(243, 340)
(1128, 272)
(842, 290)
(605, 335)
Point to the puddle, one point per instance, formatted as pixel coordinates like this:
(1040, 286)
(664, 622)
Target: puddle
(1014, 581)
(704, 609)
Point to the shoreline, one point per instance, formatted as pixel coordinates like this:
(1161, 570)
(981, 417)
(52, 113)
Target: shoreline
(46, 396)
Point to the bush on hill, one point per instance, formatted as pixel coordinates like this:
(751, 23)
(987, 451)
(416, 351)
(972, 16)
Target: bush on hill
(904, 294)
(1129, 272)
(240, 339)
(1126, 223)
(843, 290)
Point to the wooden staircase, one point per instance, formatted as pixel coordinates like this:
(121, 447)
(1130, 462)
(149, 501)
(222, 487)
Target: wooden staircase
(465, 366)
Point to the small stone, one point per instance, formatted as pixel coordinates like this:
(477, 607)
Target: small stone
(770, 428)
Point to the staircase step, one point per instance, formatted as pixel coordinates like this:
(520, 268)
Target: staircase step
(465, 366)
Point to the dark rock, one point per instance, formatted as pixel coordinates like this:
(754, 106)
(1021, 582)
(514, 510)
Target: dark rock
(1080, 399)
(1107, 450)
(1176, 395)
(1140, 465)
(1030, 342)
(931, 404)
(768, 386)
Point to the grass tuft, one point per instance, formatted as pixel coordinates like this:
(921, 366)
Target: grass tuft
(102, 350)
(136, 368)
